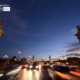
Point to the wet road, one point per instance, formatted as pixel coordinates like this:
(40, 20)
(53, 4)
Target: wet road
(25, 74)
(33, 75)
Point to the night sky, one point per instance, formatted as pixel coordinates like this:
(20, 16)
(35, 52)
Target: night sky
(40, 28)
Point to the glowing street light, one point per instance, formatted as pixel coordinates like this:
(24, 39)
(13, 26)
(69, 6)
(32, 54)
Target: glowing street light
(15, 59)
(5, 56)
(19, 52)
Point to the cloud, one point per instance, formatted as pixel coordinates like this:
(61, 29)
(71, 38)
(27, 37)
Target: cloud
(18, 21)
(76, 54)
(76, 49)
(23, 32)
(18, 31)
(52, 51)
(73, 47)
(73, 30)
(21, 25)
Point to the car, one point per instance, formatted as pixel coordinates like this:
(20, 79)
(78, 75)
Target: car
(35, 66)
(71, 66)
(51, 64)
(62, 72)
(30, 65)
(24, 65)
(45, 64)
(48, 64)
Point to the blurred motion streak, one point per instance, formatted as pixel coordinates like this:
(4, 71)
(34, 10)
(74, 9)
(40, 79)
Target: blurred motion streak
(13, 72)
(75, 73)
(61, 75)
(39, 67)
(1, 75)
(37, 75)
(30, 74)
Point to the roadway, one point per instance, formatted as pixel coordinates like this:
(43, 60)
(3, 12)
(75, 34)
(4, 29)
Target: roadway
(25, 74)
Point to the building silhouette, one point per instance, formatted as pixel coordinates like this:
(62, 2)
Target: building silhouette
(33, 58)
(49, 58)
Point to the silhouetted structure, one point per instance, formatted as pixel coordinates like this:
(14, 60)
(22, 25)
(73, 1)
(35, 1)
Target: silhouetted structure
(41, 60)
(78, 33)
(73, 60)
(33, 58)
(49, 58)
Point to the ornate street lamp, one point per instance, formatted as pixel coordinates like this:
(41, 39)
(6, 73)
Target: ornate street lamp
(63, 55)
(5, 56)
(19, 54)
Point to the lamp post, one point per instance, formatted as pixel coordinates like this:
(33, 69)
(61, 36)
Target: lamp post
(5, 56)
(19, 54)
(63, 56)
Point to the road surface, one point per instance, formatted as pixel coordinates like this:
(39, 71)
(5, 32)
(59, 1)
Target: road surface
(25, 74)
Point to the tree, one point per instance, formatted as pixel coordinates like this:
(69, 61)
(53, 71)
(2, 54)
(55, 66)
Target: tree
(78, 33)
(14, 57)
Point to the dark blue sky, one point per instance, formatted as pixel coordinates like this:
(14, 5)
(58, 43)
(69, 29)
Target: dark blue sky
(40, 28)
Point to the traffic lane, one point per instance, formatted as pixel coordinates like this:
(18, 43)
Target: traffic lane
(26, 74)
(9, 77)
(9, 74)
